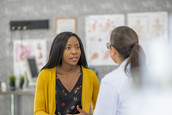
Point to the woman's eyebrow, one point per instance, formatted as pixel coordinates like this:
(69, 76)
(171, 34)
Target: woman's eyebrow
(72, 44)
(69, 44)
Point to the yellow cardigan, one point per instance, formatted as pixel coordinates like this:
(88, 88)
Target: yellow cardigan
(45, 102)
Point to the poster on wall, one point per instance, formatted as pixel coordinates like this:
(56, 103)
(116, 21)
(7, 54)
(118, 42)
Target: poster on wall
(149, 26)
(24, 48)
(98, 30)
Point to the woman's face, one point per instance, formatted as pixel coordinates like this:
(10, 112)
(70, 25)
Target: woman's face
(72, 52)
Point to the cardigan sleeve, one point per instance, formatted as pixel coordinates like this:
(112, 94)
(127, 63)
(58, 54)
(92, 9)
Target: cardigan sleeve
(39, 101)
(95, 89)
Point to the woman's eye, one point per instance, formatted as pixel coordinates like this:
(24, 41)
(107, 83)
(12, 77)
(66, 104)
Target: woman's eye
(67, 48)
(77, 47)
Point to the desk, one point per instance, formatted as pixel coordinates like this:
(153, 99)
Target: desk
(17, 92)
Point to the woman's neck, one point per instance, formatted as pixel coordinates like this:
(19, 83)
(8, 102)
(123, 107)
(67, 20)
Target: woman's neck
(67, 68)
(119, 60)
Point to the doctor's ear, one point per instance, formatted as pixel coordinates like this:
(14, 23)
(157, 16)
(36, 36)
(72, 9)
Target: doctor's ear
(113, 50)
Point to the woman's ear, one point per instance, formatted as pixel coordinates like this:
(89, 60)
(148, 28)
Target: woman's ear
(113, 51)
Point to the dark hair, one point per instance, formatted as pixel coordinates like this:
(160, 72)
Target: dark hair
(126, 42)
(57, 49)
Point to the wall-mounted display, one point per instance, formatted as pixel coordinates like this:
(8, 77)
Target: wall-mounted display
(65, 24)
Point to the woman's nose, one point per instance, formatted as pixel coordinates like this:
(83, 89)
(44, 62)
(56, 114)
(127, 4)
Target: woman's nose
(74, 51)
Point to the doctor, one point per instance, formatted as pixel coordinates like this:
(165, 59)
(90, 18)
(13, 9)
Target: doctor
(115, 87)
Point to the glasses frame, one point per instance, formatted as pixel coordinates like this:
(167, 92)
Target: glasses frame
(108, 45)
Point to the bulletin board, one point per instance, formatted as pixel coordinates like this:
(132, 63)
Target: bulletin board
(98, 30)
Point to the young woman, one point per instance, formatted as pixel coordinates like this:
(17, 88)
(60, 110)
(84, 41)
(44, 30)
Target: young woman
(65, 81)
(115, 87)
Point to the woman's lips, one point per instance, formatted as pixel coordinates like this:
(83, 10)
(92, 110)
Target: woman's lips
(74, 58)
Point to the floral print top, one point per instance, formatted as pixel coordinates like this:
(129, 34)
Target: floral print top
(66, 101)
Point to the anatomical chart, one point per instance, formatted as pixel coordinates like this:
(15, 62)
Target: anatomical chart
(24, 48)
(149, 26)
(98, 30)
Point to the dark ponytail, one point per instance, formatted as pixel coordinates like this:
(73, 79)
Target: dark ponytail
(136, 58)
(133, 58)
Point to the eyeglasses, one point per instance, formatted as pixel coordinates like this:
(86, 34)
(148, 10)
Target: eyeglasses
(108, 45)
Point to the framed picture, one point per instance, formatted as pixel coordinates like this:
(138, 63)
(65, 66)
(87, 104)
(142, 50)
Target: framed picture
(65, 24)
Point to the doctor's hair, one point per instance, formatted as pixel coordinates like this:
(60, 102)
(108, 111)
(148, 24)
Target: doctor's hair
(57, 49)
(126, 42)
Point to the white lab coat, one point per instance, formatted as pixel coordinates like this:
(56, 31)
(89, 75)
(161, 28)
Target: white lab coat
(114, 93)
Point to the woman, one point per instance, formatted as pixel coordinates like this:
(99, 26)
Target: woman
(115, 87)
(65, 81)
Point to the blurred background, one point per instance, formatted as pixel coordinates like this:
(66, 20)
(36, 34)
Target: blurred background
(28, 27)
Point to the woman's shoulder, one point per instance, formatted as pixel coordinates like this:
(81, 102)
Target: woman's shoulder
(90, 74)
(84, 69)
(116, 77)
(47, 71)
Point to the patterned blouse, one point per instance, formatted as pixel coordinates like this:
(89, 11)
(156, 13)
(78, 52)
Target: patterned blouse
(66, 101)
